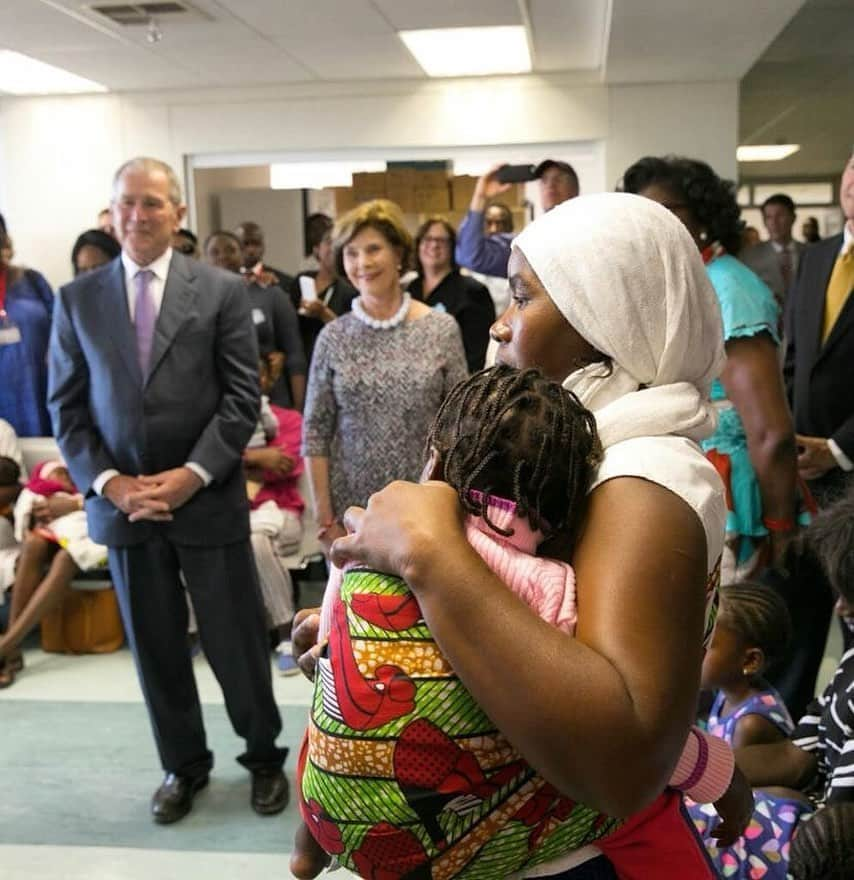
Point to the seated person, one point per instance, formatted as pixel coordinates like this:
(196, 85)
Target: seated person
(814, 766)
(425, 781)
(823, 848)
(273, 464)
(10, 488)
(51, 525)
(751, 633)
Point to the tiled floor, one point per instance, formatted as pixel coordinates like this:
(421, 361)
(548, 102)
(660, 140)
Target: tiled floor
(78, 766)
(65, 701)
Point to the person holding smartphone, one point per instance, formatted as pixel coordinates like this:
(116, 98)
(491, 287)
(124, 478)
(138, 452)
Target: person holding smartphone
(489, 253)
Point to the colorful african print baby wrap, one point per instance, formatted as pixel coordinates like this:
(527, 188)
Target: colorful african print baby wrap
(405, 776)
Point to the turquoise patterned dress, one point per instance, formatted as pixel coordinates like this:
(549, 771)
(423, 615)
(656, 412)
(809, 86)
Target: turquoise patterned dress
(747, 308)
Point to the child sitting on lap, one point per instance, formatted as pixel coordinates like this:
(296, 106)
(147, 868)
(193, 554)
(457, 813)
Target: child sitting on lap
(401, 774)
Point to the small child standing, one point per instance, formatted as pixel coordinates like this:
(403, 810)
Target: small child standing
(401, 773)
(752, 630)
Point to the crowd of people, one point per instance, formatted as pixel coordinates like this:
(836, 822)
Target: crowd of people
(670, 412)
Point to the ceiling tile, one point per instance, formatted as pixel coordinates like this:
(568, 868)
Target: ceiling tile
(309, 18)
(126, 68)
(30, 26)
(372, 56)
(569, 34)
(415, 14)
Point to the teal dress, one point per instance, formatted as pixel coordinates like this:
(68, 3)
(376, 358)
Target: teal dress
(747, 308)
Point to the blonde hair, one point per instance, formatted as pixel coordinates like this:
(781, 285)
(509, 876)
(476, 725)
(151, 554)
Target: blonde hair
(380, 214)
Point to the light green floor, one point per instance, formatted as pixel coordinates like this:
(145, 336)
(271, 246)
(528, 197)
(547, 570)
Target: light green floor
(78, 768)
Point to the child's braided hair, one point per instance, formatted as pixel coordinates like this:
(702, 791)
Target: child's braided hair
(518, 435)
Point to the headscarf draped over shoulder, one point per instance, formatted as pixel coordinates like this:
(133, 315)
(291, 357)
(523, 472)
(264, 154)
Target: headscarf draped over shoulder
(626, 274)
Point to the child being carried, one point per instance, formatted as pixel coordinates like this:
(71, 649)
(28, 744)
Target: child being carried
(401, 773)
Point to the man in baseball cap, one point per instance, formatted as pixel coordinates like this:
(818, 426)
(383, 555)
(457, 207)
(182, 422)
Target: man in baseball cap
(489, 254)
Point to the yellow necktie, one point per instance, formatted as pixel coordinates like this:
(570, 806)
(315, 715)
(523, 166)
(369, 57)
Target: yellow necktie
(838, 288)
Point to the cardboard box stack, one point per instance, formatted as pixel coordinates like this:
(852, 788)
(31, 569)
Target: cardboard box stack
(369, 185)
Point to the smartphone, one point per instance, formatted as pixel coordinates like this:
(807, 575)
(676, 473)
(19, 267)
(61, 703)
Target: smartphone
(516, 173)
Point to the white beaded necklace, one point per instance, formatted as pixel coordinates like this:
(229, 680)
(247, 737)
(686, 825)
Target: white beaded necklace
(389, 323)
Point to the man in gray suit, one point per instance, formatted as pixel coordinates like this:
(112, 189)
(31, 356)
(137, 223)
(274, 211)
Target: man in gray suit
(154, 394)
(776, 261)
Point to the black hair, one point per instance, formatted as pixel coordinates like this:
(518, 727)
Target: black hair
(216, 234)
(424, 228)
(2, 225)
(710, 199)
(830, 536)
(563, 167)
(506, 212)
(823, 847)
(96, 238)
(316, 227)
(518, 435)
(10, 472)
(779, 199)
(759, 616)
(188, 233)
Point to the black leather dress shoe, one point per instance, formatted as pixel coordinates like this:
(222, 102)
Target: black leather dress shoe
(174, 799)
(269, 792)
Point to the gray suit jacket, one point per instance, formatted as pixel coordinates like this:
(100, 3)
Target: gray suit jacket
(199, 401)
(765, 262)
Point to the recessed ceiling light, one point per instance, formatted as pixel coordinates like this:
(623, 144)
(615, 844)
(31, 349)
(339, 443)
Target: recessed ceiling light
(22, 75)
(470, 51)
(765, 152)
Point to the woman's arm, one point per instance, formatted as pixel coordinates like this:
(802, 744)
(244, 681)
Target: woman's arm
(753, 383)
(329, 528)
(318, 482)
(603, 716)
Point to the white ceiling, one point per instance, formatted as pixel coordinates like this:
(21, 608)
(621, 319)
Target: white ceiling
(802, 91)
(792, 89)
(245, 42)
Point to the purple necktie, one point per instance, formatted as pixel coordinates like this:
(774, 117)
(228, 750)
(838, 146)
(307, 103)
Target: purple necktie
(144, 317)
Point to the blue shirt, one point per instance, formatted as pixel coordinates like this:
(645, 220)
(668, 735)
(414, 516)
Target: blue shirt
(486, 254)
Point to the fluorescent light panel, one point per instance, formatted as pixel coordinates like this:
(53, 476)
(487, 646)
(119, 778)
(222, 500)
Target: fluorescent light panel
(766, 152)
(22, 75)
(317, 175)
(470, 51)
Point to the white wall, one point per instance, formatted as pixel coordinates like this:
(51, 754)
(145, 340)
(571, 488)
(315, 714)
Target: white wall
(57, 155)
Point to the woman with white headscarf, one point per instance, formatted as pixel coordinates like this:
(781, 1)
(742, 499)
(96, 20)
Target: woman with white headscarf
(609, 297)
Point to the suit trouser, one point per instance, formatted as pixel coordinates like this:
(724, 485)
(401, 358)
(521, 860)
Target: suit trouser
(223, 585)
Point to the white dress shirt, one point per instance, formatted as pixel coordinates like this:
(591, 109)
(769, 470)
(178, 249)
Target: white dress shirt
(156, 285)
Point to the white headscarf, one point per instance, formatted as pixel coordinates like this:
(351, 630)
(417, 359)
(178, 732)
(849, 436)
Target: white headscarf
(626, 274)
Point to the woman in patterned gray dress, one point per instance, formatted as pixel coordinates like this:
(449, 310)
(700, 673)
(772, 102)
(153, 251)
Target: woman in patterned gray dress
(378, 373)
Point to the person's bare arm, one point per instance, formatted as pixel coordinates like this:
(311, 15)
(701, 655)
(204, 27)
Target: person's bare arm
(603, 716)
(754, 385)
(318, 480)
(297, 381)
(781, 763)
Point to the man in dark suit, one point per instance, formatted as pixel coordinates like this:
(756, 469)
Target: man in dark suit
(820, 353)
(154, 395)
(776, 261)
(819, 356)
